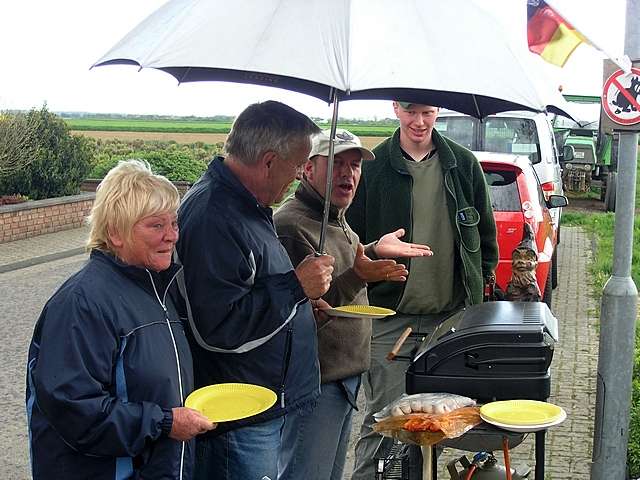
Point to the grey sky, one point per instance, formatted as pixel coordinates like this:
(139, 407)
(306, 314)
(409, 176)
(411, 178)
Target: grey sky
(48, 47)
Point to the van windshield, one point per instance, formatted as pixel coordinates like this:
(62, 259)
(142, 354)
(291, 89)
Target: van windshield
(494, 134)
(510, 135)
(459, 129)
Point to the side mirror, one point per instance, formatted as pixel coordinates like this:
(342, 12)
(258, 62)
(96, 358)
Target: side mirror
(568, 153)
(555, 201)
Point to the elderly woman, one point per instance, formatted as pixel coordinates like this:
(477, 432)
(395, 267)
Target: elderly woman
(109, 365)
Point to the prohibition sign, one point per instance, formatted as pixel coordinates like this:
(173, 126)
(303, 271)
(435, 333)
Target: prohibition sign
(621, 97)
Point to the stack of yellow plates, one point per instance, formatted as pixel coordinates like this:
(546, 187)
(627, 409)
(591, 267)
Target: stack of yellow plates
(363, 311)
(230, 401)
(522, 415)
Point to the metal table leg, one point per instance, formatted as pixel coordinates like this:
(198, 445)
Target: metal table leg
(427, 463)
(540, 454)
(434, 463)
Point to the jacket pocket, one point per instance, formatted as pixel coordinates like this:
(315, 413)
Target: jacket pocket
(468, 219)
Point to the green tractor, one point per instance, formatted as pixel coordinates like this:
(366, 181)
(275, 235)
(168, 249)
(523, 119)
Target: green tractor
(594, 161)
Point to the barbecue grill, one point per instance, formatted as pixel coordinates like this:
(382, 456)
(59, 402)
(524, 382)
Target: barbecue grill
(490, 351)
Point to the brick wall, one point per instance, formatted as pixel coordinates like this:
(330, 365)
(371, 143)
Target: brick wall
(90, 185)
(29, 219)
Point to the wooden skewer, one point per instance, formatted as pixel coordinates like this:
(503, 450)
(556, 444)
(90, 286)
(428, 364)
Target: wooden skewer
(396, 348)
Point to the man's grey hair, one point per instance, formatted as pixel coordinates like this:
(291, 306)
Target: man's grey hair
(267, 126)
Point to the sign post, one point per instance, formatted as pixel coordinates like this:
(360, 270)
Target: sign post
(620, 103)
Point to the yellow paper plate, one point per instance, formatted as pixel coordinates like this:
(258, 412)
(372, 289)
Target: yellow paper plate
(364, 311)
(230, 401)
(528, 428)
(521, 412)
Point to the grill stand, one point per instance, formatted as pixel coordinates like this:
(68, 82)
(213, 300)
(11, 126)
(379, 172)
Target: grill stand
(430, 467)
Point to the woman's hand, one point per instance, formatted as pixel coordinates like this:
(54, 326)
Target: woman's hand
(187, 423)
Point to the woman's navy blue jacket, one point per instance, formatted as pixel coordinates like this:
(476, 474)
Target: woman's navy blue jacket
(251, 321)
(107, 362)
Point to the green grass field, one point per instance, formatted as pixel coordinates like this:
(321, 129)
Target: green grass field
(367, 129)
(134, 125)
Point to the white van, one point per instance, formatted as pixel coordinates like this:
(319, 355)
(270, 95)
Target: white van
(524, 133)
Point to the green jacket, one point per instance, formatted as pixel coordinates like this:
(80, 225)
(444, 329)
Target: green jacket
(383, 203)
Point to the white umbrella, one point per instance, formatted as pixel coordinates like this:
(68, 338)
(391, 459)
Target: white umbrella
(450, 54)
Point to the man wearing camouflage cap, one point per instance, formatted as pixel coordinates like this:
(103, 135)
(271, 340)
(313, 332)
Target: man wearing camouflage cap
(343, 343)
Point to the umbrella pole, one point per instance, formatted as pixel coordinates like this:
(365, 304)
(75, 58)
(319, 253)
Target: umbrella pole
(327, 196)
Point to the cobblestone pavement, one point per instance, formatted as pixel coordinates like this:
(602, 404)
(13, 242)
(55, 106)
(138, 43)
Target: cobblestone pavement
(24, 291)
(41, 249)
(573, 373)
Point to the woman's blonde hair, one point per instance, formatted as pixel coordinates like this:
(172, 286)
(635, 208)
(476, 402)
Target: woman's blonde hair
(128, 193)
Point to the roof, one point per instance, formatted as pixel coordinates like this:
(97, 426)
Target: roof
(513, 114)
(519, 161)
(575, 140)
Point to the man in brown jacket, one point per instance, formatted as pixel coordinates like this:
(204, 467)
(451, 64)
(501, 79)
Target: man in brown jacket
(343, 343)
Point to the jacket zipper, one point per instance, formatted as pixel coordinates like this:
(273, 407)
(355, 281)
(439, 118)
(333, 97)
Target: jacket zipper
(447, 178)
(175, 348)
(285, 369)
(344, 230)
(408, 259)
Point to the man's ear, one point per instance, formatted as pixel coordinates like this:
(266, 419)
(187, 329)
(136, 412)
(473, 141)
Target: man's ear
(268, 161)
(308, 169)
(396, 107)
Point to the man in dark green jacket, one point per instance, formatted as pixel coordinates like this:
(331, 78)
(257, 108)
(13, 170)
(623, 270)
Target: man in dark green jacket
(435, 190)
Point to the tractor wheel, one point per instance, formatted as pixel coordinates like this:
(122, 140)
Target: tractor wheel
(610, 195)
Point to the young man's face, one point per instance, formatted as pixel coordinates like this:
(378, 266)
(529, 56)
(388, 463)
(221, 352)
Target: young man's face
(347, 168)
(416, 122)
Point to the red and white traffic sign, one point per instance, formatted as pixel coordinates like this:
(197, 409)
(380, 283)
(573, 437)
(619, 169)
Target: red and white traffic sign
(621, 97)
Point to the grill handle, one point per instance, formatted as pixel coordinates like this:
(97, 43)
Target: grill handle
(398, 345)
(472, 362)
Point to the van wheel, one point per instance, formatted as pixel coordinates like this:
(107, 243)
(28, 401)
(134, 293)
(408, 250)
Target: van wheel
(554, 268)
(546, 297)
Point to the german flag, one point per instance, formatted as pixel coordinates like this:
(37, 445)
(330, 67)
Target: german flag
(550, 35)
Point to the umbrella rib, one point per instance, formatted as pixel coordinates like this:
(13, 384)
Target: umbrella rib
(475, 102)
(184, 12)
(184, 75)
(347, 73)
(265, 30)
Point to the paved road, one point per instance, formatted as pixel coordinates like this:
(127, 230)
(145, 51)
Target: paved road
(24, 292)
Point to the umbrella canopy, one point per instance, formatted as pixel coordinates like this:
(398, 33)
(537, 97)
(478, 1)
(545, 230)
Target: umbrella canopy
(448, 54)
